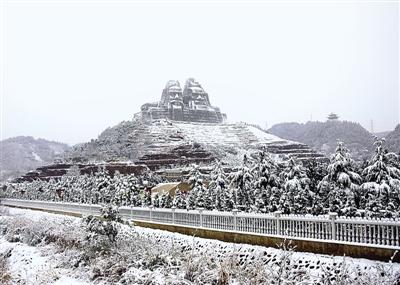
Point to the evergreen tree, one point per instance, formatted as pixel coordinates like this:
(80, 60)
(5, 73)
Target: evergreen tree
(340, 186)
(298, 196)
(381, 191)
(265, 176)
(316, 171)
(218, 185)
(196, 197)
(156, 200)
(179, 201)
(241, 183)
(145, 198)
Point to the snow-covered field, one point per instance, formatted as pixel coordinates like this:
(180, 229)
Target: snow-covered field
(42, 248)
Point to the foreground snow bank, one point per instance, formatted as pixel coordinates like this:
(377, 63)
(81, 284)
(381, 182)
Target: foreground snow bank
(61, 246)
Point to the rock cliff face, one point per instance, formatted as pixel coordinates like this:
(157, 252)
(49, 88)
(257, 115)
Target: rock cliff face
(21, 154)
(167, 144)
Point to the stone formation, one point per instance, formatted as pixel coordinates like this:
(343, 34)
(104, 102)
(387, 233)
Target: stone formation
(190, 105)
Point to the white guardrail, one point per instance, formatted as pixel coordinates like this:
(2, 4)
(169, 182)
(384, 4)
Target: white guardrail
(383, 232)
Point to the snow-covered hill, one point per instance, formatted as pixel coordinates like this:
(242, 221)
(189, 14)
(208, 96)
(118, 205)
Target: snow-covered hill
(164, 142)
(21, 154)
(323, 136)
(393, 140)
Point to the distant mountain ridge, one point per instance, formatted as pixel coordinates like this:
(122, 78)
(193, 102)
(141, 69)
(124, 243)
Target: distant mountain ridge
(23, 153)
(393, 140)
(323, 136)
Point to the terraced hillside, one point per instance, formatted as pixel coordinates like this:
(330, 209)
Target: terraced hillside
(165, 144)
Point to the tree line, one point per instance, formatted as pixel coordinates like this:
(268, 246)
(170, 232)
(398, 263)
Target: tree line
(260, 184)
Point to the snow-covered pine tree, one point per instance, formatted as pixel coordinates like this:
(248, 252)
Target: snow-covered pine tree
(162, 201)
(131, 182)
(196, 197)
(241, 183)
(156, 200)
(265, 176)
(265, 171)
(168, 203)
(149, 179)
(340, 186)
(218, 185)
(120, 196)
(102, 192)
(298, 195)
(316, 171)
(179, 200)
(145, 198)
(381, 191)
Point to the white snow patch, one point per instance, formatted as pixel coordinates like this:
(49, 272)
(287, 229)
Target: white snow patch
(37, 157)
(265, 137)
(64, 280)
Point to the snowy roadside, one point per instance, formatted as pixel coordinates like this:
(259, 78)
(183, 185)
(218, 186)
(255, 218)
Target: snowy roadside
(147, 256)
(33, 265)
(30, 264)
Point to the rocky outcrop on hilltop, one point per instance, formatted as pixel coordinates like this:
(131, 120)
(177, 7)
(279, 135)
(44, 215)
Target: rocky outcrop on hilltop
(21, 154)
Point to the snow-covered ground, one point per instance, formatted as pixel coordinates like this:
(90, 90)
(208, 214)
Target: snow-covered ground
(147, 256)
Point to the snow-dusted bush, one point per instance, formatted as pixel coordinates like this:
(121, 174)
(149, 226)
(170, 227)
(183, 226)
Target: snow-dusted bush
(5, 276)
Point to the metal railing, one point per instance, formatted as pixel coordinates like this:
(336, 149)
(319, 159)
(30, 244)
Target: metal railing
(382, 232)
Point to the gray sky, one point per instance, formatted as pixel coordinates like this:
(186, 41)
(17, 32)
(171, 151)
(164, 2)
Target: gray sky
(70, 69)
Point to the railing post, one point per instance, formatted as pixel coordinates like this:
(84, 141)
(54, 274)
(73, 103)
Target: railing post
(277, 216)
(131, 212)
(173, 214)
(151, 212)
(332, 218)
(234, 212)
(201, 216)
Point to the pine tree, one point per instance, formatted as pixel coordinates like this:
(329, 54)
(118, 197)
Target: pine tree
(241, 183)
(218, 185)
(179, 201)
(156, 200)
(199, 196)
(121, 195)
(382, 187)
(298, 195)
(103, 184)
(265, 176)
(145, 198)
(340, 186)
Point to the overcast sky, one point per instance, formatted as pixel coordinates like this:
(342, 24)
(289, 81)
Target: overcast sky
(70, 69)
